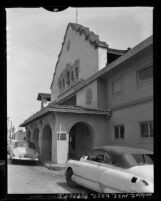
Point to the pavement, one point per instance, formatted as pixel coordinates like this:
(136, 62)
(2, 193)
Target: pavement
(52, 166)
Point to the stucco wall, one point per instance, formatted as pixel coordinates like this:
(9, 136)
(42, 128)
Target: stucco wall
(131, 89)
(82, 93)
(130, 117)
(79, 49)
(97, 124)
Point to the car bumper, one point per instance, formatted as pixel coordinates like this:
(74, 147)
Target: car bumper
(26, 159)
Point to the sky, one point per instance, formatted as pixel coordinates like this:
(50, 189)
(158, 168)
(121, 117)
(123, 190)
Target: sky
(34, 39)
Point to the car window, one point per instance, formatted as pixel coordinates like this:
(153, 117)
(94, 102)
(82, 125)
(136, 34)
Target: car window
(24, 144)
(96, 155)
(107, 158)
(142, 159)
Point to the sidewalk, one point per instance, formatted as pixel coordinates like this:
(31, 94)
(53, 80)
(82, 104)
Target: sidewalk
(52, 166)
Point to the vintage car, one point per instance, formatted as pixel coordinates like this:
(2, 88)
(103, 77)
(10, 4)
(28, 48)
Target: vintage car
(23, 150)
(113, 169)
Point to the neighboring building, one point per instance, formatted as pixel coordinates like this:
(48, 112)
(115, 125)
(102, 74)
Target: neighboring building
(99, 96)
(19, 135)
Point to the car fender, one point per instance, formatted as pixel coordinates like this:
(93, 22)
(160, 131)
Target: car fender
(114, 180)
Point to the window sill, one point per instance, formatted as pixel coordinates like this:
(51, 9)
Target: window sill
(115, 94)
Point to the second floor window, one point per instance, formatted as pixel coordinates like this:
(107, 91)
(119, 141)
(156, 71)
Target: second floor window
(68, 78)
(145, 74)
(119, 132)
(117, 86)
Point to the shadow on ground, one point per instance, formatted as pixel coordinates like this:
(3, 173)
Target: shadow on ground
(79, 189)
(21, 162)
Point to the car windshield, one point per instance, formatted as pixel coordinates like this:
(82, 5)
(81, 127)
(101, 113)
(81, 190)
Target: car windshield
(139, 159)
(24, 144)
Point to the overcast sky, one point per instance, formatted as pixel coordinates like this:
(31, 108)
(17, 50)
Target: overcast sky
(34, 39)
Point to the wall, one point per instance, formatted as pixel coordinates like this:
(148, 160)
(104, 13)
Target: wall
(130, 117)
(82, 93)
(128, 72)
(79, 49)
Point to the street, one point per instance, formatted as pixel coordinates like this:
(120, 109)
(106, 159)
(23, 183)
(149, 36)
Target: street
(29, 178)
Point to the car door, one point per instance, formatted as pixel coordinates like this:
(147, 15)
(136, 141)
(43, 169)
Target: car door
(113, 179)
(88, 170)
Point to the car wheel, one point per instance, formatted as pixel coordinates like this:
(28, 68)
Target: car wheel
(69, 179)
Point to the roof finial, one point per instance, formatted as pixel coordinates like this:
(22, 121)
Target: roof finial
(76, 15)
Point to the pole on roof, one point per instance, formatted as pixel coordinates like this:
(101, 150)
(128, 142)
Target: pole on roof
(76, 15)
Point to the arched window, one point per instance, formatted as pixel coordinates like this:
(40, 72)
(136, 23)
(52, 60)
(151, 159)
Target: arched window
(63, 84)
(72, 76)
(76, 73)
(68, 78)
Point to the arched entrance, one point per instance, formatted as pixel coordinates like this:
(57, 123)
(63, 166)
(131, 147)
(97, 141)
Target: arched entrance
(28, 136)
(46, 143)
(35, 138)
(81, 137)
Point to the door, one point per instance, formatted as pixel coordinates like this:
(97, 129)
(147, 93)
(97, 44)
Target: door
(113, 179)
(89, 170)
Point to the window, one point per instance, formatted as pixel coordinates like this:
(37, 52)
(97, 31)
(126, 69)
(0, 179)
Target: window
(72, 76)
(145, 74)
(119, 132)
(96, 155)
(63, 84)
(146, 129)
(68, 78)
(117, 86)
(76, 73)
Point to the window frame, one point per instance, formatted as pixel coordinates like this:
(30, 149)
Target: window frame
(119, 79)
(150, 134)
(119, 134)
(145, 81)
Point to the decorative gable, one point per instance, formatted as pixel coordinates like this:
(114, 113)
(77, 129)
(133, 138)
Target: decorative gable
(78, 58)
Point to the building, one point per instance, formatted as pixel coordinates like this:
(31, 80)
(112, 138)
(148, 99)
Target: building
(99, 96)
(19, 135)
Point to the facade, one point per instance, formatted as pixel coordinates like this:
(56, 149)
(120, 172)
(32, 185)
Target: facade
(99, 96)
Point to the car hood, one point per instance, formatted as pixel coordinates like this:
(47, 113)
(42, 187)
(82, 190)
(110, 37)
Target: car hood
(24, 150)
(144, 171)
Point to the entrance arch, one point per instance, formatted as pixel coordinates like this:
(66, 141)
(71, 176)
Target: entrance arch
(35, 138)
(28, 136)
(46, 143)
(81, 138)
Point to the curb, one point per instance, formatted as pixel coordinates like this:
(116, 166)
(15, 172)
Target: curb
(56, 167)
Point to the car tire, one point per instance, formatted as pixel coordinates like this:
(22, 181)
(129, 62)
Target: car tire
(69, 181)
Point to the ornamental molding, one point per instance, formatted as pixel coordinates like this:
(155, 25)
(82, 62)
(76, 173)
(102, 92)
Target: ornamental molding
(69, 75)
(89, 96)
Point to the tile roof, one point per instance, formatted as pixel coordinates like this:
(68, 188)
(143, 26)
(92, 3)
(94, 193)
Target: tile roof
(64, 108)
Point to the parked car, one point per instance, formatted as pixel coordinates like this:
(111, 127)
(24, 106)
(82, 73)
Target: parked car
(23, 150)
(113, 169)
(2, 167)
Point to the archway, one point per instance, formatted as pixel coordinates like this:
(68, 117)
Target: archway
(28, 136)
(35, 138)
(81, 138)
(46, 143)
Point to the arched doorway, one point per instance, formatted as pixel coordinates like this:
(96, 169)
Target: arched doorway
(46, 143)
(81, 137)
(35, 138)
(28, 136)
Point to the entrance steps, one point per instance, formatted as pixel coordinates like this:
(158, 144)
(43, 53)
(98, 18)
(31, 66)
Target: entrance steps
(52, 166)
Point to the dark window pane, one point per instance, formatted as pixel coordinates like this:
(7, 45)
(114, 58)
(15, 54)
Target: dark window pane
(121, 131)
(151, 129)
(144, 130)
(146, 73)
(116, 132)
